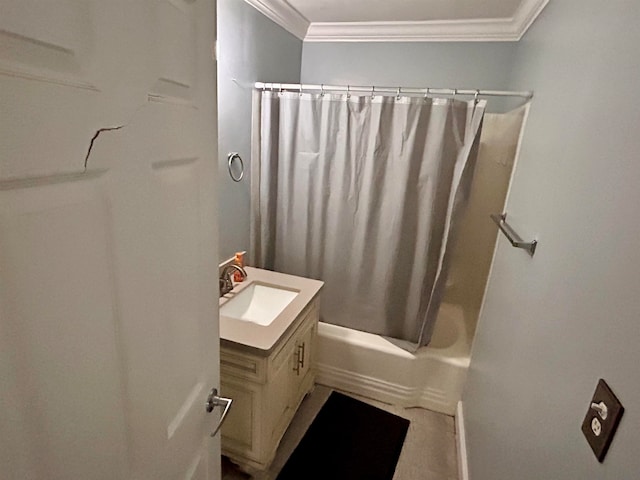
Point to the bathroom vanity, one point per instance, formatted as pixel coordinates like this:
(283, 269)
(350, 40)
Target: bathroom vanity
(268, 326)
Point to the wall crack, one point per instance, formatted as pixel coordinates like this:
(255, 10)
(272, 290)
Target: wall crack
(93, 139)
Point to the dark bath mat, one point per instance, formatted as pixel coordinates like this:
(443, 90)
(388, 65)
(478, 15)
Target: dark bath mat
(348, 440)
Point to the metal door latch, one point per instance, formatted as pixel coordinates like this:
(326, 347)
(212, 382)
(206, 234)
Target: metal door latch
(213, 401)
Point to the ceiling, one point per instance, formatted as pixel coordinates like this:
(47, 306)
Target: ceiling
(403, 20)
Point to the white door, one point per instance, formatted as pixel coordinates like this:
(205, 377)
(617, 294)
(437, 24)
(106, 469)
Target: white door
(108, 239)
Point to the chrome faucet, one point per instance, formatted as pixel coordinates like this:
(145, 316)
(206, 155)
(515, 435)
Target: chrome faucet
(225, 282)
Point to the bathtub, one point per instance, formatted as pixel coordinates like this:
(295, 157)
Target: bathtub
(374, 367)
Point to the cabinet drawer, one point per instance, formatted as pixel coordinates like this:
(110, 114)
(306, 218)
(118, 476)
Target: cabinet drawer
(238, 365)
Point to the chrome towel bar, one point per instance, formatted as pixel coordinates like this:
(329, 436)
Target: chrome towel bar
(512, 236)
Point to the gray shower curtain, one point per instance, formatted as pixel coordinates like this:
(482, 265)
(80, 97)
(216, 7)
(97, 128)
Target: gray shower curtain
(363, 193)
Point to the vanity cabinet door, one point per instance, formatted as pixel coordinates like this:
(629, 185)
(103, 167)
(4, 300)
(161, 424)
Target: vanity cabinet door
(281, 388)
(238, 431)
(303, 362)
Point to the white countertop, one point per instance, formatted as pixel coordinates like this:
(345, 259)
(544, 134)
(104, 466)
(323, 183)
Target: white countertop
(258, 338)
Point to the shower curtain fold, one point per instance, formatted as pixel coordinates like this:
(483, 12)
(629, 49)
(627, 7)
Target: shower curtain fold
(365, 194)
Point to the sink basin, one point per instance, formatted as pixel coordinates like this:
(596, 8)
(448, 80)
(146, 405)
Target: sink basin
(258, 303)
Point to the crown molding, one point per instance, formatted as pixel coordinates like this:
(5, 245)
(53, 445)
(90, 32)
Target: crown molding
(283, 14)
(484, 30)
(527, 13)
(473, 30)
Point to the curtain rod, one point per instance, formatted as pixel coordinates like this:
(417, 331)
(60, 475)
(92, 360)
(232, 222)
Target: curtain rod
(296, 87)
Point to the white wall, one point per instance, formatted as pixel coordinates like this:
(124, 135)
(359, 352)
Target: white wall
(251, 48)
(554, 324)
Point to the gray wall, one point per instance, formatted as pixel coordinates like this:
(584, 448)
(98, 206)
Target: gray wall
(554, 324)
(420, 64)
(251, 48)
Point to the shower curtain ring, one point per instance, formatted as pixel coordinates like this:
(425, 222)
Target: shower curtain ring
(398, 94)
(426, 95)
(348, 92)
(475, 97)
(455, 92)
(300, 91)
(373, 92)
(322, 90)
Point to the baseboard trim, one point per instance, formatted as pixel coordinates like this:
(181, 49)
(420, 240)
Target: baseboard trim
(461, 440)
(383, 391)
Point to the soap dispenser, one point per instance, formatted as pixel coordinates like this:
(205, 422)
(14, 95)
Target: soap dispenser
(239, 260)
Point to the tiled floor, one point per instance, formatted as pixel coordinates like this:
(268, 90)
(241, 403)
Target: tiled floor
(428, 453)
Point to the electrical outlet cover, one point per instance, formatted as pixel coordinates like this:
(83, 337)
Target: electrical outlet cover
(600, 443)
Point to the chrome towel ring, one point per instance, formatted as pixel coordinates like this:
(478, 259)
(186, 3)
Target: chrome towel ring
(231, 158)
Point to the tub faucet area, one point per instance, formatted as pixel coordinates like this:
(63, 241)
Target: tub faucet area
(225, 281)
